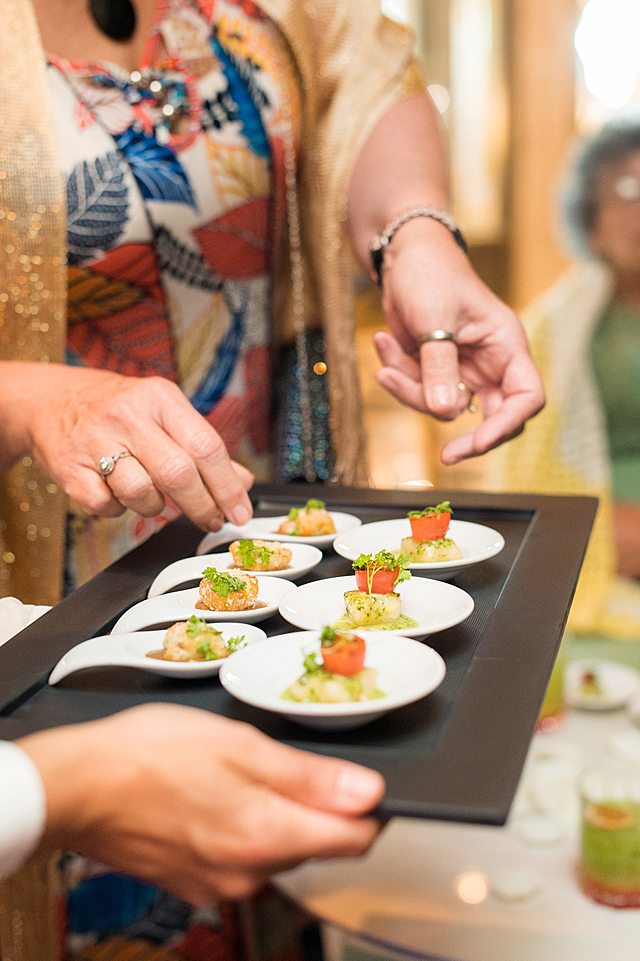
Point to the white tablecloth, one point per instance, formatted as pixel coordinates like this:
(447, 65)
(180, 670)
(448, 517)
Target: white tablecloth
(408, 893)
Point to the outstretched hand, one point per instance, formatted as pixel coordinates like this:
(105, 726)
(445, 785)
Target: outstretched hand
(201, 805)
(428, 285)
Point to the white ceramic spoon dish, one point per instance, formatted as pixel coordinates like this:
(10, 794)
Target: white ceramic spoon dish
(132, 650)
(304, 558)
(266, 528)
(180, 605)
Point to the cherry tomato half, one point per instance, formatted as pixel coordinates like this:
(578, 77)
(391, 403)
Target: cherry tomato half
(431, 527)
(381, 583)
(344, 655)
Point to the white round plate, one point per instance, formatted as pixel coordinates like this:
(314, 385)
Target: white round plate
(304, 558)
(477, 543)
(266, 528)
(180, 605)
(435, 605)
(130, 650)
(619, 683)
(407, 671)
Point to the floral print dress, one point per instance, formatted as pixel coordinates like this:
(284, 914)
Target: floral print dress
(175, 197)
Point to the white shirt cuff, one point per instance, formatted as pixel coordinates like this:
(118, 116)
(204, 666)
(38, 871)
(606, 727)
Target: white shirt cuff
(22, 807)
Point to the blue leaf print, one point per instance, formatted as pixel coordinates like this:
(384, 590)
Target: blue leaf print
(246, 96)
(223, 365)
(156, 168)
(97, 207)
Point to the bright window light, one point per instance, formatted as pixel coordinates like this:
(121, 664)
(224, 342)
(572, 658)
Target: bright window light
(398, 10)
(606, 42)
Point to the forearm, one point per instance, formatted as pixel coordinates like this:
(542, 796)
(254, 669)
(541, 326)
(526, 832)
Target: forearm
(402, 163)
(20, 388)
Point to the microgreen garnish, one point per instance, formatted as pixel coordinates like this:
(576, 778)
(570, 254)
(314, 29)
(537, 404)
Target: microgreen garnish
(252, 553)
(443, 508)
(223, 582)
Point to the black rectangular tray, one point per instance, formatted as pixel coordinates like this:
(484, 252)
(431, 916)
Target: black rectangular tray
(455, 755)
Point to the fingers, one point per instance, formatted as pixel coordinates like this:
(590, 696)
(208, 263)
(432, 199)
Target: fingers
(325, 783)
(133, 488)
(431, 386)
(245, 476)
(207, 483)
(87, 488)
(440, 378)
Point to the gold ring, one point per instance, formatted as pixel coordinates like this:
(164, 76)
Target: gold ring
(472, 407)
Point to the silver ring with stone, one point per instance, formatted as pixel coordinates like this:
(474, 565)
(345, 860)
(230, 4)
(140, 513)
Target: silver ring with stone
(107, 464)
(435, 335)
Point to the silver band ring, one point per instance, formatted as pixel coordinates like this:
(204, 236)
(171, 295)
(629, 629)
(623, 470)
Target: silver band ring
(434, 335)
(107, 464)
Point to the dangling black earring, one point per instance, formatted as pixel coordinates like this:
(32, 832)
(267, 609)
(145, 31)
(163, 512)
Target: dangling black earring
(116, 18)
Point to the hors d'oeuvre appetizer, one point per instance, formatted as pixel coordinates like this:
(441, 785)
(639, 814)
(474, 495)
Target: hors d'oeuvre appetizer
(590, 684)
(309, 521)
(375, 603)
(428, 543)
(195, 640)
(224, 591)
(255, 555)
(339, 676)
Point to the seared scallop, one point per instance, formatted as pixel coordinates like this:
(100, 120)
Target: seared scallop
(430, 552)
(365, 610)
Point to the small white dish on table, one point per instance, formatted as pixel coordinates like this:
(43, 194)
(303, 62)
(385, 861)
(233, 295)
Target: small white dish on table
(600, 685)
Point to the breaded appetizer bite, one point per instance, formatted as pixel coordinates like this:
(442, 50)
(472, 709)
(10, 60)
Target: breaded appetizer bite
(195, 640)
(255, 555)
(311, 520)
(224, 591)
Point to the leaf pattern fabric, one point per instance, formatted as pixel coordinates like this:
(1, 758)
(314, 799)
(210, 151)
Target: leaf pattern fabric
(171, 225)
(156, 168)
(96, 207)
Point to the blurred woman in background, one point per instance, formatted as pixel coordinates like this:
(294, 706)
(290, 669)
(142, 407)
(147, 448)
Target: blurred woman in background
(585, 336)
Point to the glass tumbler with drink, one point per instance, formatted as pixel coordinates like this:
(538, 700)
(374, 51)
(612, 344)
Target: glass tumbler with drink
(610, 834)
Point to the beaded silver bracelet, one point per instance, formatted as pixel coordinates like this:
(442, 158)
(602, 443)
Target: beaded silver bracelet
(380, 243)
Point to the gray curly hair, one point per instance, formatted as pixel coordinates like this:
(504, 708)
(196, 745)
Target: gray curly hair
(613, 142)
